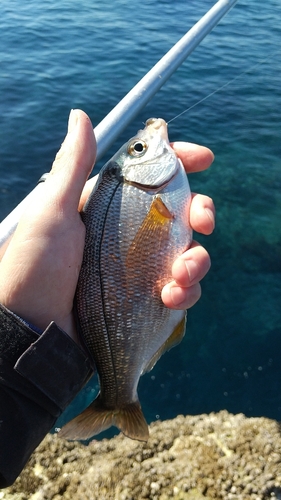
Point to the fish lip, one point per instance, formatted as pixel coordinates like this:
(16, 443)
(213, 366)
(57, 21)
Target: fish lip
(152, 188)
(160, 125)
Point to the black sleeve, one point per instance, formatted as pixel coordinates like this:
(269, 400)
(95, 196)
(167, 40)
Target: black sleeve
(39, 376)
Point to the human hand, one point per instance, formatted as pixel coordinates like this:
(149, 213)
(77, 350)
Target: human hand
(40, 268)
(185, 290)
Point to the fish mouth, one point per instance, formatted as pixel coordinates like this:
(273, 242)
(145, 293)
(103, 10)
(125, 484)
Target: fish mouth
(160, 125)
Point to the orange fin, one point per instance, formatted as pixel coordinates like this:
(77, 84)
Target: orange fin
(160, 211)
(156, 225)
(96, 418)
(174, 339)
(152, 236)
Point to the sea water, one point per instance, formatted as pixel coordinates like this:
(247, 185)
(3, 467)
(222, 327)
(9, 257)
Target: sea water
(88, 54)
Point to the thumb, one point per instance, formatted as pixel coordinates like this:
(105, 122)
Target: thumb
(58, 197)
(73, 162)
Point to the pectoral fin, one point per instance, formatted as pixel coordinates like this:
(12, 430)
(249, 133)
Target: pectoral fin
(152, 235)
(174, 339)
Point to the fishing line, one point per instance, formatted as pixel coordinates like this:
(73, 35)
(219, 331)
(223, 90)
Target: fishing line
(223, 86)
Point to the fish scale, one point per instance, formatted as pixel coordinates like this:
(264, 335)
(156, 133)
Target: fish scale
(136, 225)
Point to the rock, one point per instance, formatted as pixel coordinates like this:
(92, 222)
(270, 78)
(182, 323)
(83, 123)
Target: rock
(216, 456)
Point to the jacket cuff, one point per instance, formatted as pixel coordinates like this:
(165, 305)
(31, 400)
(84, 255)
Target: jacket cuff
(49, 368)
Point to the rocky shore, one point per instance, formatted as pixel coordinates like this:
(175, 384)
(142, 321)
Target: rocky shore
(216, 456)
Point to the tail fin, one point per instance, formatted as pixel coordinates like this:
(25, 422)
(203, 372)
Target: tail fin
(96, 418)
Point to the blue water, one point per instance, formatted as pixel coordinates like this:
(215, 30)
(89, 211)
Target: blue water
(59, 55)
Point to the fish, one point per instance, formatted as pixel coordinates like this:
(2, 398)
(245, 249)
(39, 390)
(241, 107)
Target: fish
(137, 224)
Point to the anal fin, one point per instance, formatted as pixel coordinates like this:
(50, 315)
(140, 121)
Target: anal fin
(174, 339)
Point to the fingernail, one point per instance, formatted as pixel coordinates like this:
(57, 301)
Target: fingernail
(192, 269)
(72, 120)
(177, 295)
(211, 216)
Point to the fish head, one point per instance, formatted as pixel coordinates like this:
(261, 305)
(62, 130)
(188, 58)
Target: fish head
(147, 160)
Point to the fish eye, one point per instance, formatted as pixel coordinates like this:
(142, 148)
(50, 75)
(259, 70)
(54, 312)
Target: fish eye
(137, 148)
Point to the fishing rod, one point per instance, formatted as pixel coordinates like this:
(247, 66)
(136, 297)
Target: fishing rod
(125, 111)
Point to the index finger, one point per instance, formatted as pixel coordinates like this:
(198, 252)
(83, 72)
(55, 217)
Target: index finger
(194, 158)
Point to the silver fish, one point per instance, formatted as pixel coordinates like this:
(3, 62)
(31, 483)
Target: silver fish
(136, 225)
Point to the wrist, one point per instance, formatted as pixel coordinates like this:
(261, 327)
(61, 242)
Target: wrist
(69, 327)
(41, 360)
(39, 322)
